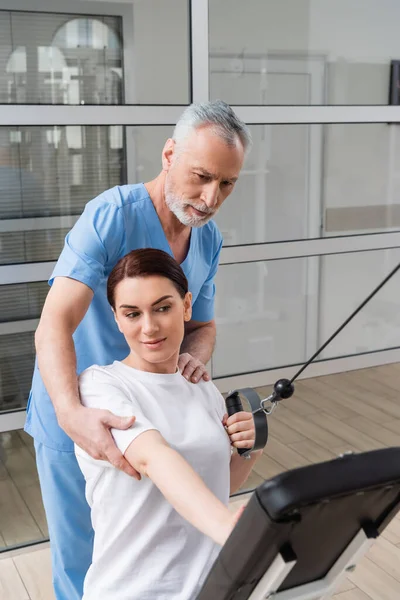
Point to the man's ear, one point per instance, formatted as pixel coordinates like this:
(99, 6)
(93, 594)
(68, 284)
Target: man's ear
(168, 154)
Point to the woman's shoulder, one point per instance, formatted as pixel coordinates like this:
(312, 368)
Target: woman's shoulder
(99, 374)
(209, 387)
(213, 395)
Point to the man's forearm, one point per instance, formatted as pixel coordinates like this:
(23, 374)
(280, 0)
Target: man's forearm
(57, 364)
(200, 342)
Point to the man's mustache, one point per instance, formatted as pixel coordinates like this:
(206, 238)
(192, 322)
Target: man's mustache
(204, 209)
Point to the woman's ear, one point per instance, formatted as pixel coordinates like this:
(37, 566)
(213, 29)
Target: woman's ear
(187, 306)
(116, 319)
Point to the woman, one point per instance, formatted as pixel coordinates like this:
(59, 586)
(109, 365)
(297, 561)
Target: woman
(158, 537)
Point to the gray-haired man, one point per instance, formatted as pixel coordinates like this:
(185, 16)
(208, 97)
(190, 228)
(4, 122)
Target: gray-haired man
(173, 212)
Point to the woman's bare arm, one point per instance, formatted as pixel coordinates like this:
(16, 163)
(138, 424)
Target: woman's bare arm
(151, 456)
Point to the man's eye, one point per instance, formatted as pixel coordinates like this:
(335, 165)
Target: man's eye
(201, 176)
(227, 183)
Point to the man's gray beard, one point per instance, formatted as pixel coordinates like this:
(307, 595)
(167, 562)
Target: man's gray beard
(176, 205)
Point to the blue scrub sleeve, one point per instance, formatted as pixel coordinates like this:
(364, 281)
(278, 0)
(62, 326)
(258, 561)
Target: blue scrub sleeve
(93, 242)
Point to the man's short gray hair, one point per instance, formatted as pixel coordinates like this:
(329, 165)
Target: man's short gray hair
(218, 115)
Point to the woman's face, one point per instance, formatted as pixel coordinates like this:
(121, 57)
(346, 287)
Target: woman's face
(151, 315)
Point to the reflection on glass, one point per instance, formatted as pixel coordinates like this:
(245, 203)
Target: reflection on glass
(61, 59)
(22, 518)
(299, 181)
(53, 58)
(17, 356)
(22, 301)
(260, 316)
(341, 56)
(311, 181)
(31, 246)
(276, 313)
(52, 171)
(361, 183)
(346, 280)
(277, 195)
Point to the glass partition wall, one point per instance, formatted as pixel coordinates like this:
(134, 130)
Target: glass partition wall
(88, 96)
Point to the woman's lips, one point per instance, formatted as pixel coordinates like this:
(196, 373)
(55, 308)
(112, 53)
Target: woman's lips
(154, 344)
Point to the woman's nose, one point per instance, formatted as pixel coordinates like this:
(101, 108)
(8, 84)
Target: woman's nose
(149, 325)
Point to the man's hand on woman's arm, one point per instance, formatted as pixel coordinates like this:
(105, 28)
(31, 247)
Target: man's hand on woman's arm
(66, 305)
(196, 350)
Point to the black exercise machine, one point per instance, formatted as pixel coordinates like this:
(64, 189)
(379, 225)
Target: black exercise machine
(304, 529)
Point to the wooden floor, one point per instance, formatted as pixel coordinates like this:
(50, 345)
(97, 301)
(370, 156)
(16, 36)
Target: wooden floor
(329, 415)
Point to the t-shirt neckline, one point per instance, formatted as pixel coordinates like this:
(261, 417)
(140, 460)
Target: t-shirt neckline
(147, 376)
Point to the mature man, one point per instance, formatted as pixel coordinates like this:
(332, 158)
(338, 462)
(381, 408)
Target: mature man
(173, 212)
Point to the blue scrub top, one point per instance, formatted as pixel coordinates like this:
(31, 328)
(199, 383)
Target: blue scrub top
(118, 221)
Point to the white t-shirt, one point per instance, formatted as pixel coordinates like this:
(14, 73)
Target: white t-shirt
(143, 549)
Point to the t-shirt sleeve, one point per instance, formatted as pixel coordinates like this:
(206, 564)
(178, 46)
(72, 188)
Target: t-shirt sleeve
(100, 390)
(203, 307)
(94, 241)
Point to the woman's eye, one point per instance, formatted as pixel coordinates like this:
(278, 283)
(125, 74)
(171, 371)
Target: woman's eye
(163, 309)
(132, 315)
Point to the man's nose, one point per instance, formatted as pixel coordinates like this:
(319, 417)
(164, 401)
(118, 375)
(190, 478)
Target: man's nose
(210, 194)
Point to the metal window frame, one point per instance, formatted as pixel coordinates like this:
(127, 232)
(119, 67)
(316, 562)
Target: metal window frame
(40, 271)
(154, 115)
(130, 114)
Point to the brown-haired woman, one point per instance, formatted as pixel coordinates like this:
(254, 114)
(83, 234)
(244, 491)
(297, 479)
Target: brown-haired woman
(158, 537)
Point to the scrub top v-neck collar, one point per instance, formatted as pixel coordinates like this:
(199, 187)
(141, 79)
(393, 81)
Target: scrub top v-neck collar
(158, 237)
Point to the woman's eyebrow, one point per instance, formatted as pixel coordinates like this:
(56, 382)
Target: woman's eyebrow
(154, 303)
